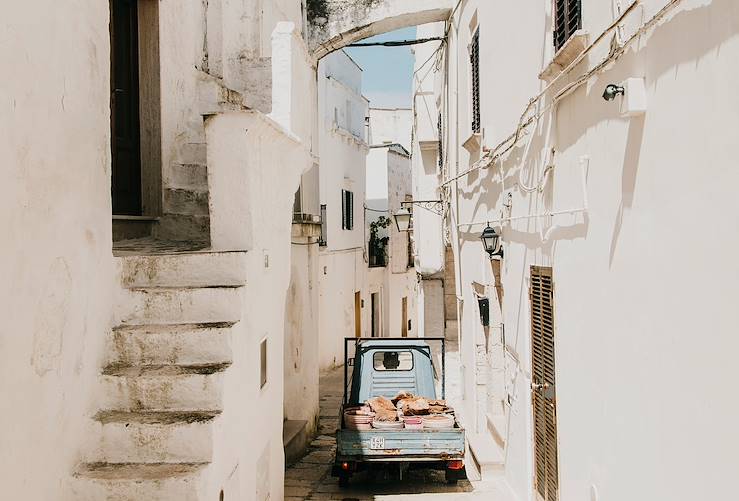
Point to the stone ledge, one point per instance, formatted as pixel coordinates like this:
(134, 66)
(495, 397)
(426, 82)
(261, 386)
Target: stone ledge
(572, 48)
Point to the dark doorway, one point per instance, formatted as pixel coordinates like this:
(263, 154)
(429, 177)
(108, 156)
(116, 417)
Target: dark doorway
(375, 314)
(124, 108)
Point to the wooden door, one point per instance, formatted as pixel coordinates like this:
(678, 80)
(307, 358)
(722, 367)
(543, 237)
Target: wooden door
(404, 319)
(357, 314)
(124, 108)
(543, 394)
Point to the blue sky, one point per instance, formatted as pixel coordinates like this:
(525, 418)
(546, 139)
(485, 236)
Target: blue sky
(388, 71)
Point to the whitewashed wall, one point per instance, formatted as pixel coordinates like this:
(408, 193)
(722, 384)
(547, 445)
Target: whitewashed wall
(57, 265)
(642, 328)
(391, 126)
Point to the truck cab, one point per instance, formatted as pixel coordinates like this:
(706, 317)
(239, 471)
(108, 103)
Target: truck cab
(387, 367)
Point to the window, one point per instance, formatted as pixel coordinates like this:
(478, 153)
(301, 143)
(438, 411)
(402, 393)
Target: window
(475, 63)
(567, 20)
(441, 142)
(392, 360)
(324, 229)
(347, 210)
(263, 363)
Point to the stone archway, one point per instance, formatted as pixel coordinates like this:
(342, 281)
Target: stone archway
(337, 23)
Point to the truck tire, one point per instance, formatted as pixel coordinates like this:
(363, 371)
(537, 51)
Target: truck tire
(343, 481)
(451, 477)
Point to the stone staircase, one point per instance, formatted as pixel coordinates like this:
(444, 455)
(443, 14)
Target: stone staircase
(162, 380)
(185, 197)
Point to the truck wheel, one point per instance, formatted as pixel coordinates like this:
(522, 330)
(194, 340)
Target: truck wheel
(344, 481)
(451, 478)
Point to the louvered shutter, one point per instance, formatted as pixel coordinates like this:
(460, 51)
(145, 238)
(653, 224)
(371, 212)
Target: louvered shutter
(344, 211)
(567, 20)
(543, 396)
(350, 210)
(475, 63)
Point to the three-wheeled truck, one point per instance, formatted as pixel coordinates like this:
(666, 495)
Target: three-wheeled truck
(386, 367)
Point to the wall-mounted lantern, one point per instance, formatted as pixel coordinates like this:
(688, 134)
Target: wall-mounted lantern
(491, 242)
(403, 219)
(403, 216)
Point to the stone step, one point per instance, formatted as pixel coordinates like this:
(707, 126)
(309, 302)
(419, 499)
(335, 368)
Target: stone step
(488, 457)
(193, 153)
(178, 305)
(183, 227)
(154, 437)
(185, 201)
(139, 482)
(295, 439)
(197, 269)
(187, 176)
(183, 344)
(497, 426)
(162, 388)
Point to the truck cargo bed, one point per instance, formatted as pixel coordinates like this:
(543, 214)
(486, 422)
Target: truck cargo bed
(400, 445)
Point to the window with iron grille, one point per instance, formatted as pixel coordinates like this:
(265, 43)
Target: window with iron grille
(324, 227)
(347, 210)
(441, 142)
(567, 20)
(475, 64)
(543, 395)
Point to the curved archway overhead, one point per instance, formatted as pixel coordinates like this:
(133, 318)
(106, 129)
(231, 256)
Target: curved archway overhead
(334, 24)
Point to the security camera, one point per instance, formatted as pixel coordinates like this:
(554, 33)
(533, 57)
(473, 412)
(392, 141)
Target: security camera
(612, 90)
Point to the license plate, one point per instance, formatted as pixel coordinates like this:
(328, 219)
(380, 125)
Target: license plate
(377, 443)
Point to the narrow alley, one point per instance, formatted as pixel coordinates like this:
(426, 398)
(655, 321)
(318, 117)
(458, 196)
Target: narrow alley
(513, 225)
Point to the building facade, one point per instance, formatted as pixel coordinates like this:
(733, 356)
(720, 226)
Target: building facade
(573, 130)
(146, 262)
(391, 274)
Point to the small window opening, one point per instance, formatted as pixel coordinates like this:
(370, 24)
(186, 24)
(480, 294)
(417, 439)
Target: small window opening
(263, 363)
(392, 360)
(475, 64)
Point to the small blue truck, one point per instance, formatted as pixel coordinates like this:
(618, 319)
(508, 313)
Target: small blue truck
(386, 367)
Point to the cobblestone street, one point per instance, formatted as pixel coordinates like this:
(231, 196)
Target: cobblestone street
(310, 478)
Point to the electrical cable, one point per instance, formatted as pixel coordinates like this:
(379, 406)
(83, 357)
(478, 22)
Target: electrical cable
(510, 142)
(395, 43)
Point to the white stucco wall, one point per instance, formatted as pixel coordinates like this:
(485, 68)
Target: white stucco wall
(633, 374)
(57, 263)
(391, 126)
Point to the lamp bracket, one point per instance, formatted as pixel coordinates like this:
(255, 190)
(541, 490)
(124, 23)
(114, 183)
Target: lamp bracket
(435, 206)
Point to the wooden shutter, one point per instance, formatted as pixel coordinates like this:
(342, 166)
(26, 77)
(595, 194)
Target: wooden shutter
(475, 63)
(350, 210)
(567, 20)
(543, 396)
(344, 210)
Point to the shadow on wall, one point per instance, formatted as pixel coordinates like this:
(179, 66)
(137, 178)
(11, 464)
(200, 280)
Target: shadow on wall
(632, 153)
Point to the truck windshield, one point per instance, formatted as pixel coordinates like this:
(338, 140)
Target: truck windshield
(392, 360)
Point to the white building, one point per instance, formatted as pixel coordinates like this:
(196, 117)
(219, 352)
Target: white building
(619, 231)
(148, 368)
(343, 147)
(391, 274)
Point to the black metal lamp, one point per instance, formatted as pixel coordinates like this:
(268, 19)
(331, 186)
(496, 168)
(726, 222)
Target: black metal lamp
(403, 219)
(491, 242)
